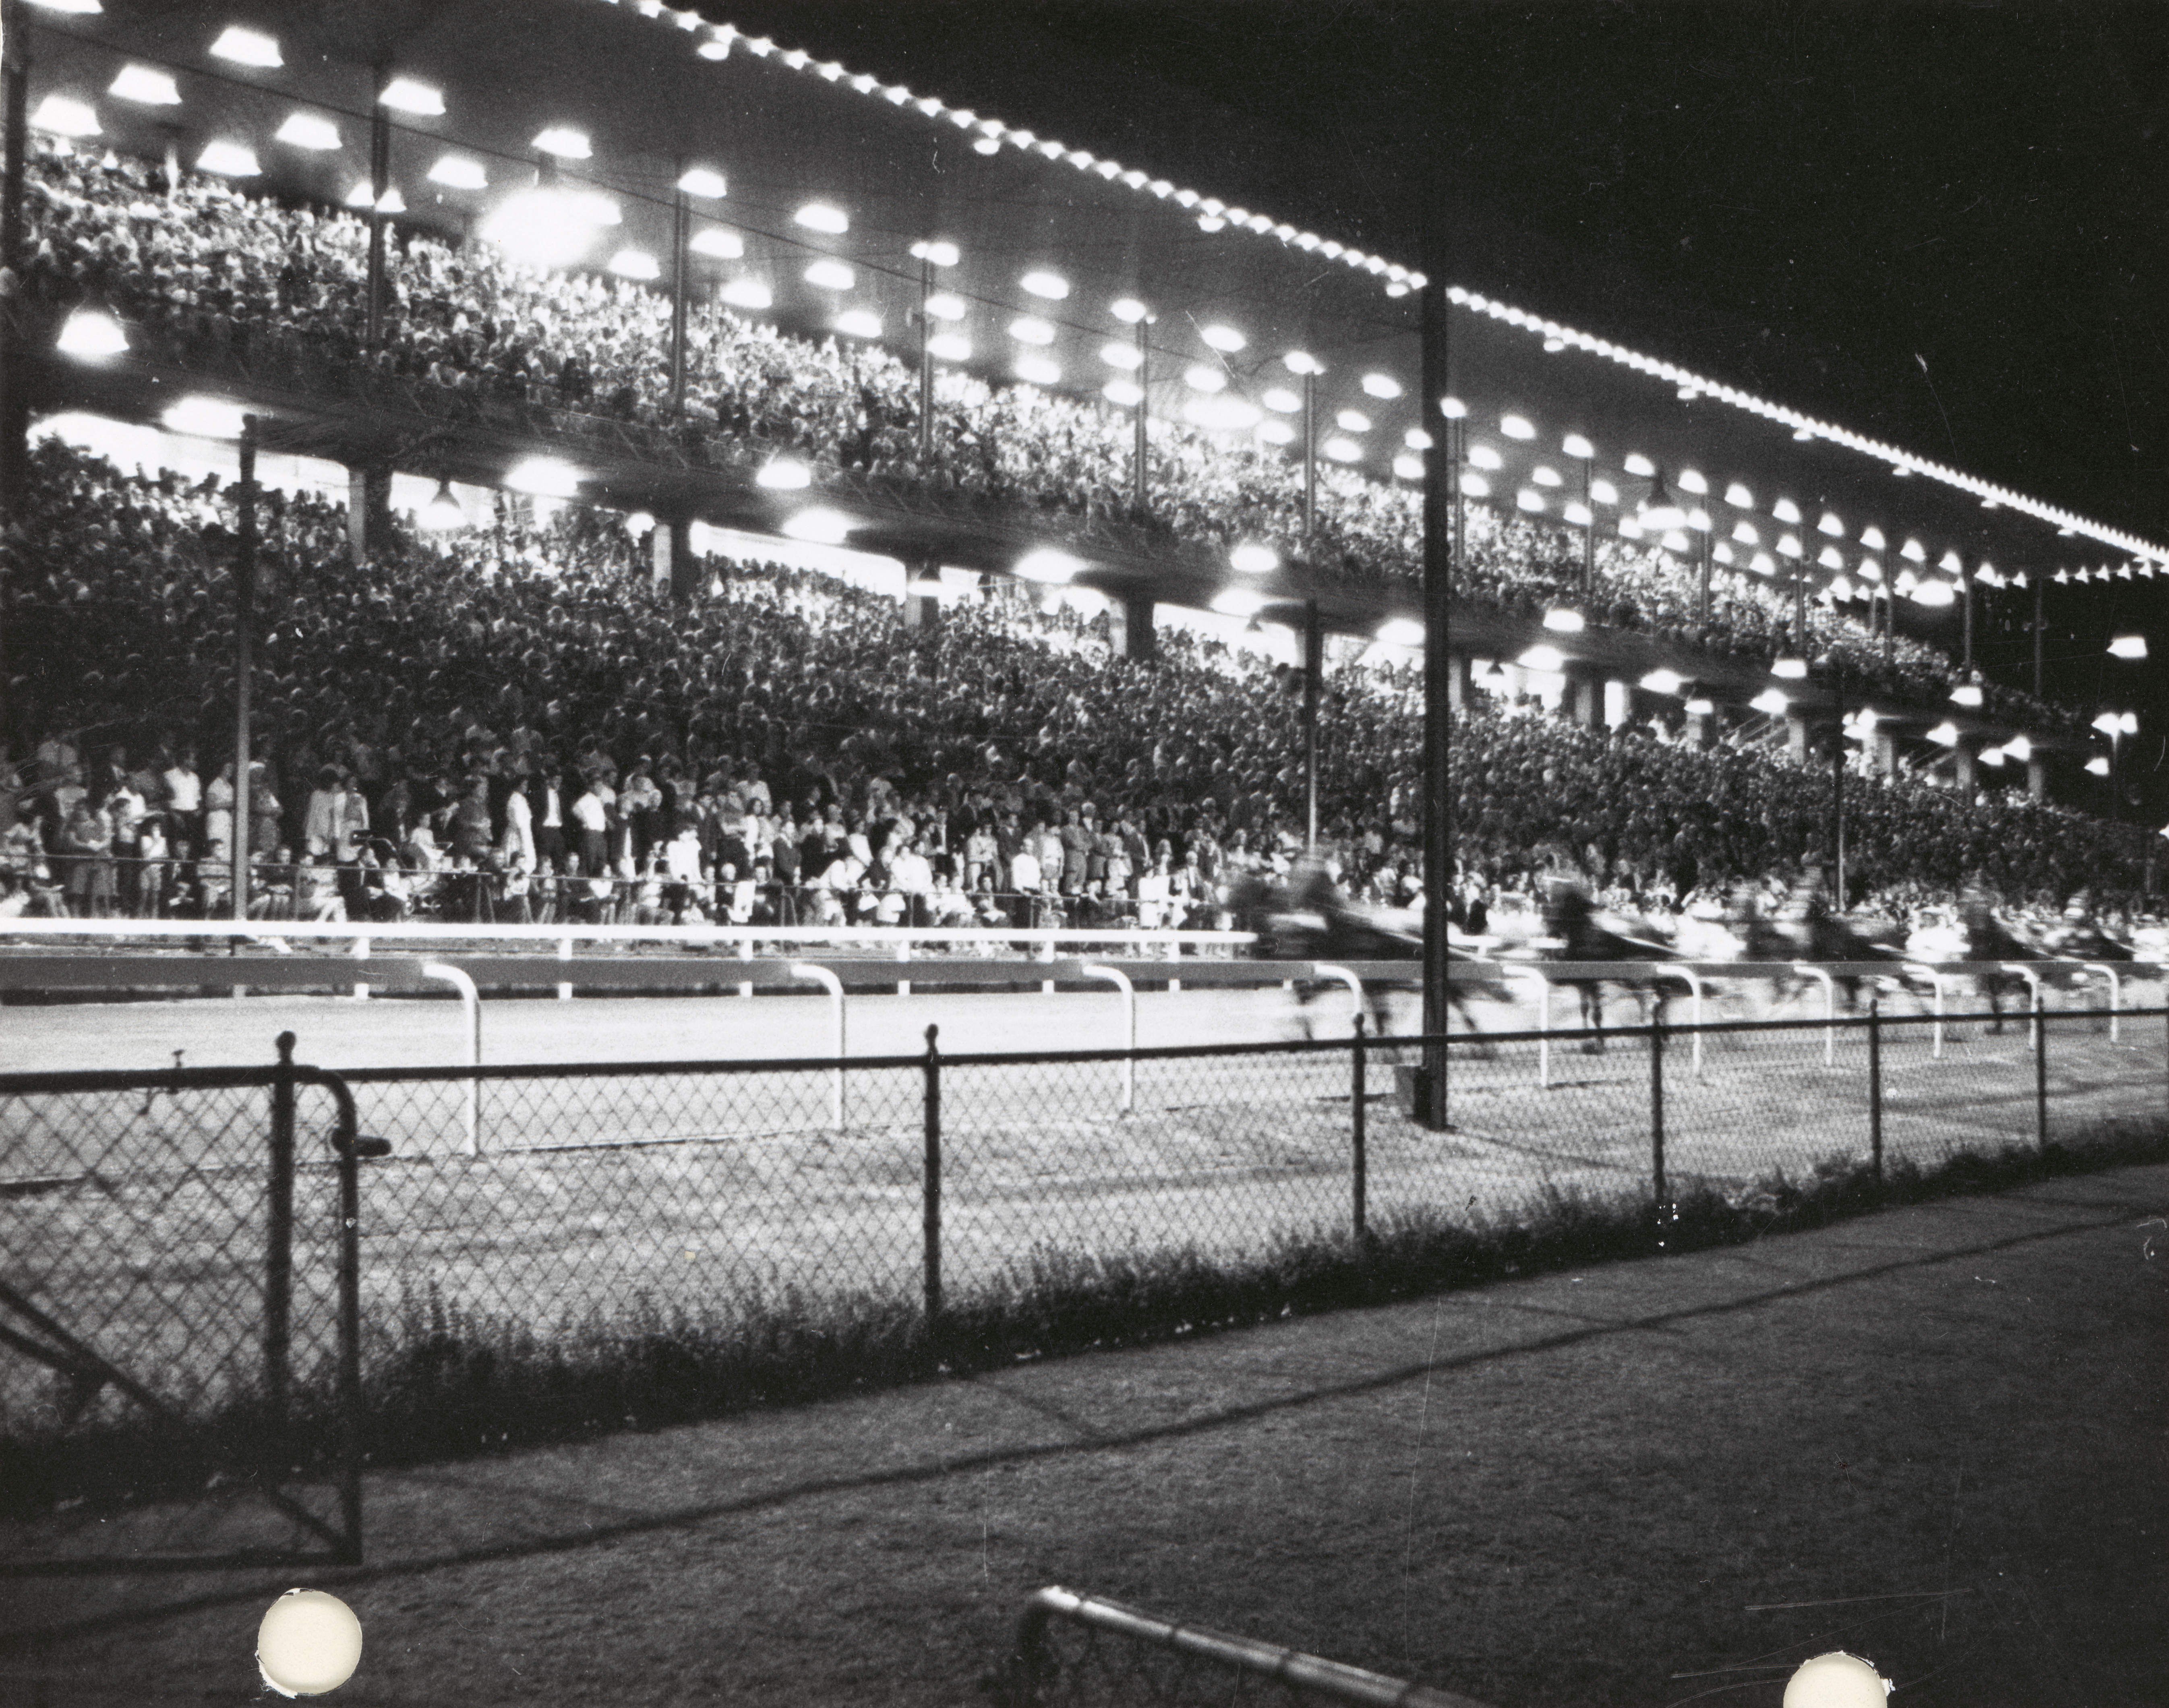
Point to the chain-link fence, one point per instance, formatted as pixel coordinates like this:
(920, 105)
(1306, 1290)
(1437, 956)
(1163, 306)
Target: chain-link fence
(177, 1298)
(561, 1248)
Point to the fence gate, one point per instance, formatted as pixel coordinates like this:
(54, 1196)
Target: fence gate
(180, 1359)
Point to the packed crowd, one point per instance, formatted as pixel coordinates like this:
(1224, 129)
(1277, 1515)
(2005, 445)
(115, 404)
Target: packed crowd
(515, 725)
(196, 261)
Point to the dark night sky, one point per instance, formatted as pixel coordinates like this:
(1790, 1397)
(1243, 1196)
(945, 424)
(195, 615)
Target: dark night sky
(1941, 224)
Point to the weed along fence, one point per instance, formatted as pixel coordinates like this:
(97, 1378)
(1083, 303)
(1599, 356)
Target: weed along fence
(426, 1259)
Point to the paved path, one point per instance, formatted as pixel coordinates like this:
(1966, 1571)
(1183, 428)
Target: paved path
(1934, 1436)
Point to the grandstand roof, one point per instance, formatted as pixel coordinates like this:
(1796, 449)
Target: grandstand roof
(785, 129)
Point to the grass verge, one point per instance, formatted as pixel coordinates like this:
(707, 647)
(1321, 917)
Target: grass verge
(440, 1383)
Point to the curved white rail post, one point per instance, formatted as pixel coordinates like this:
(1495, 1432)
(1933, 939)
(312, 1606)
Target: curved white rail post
(1934, 976)
(1543, 1022)
(2034, 989)
(904, 953)
(2115, 993)
(471, 1003)
(1695, 988)
(564, 953)
(745, 953)
(1355, 987)
(1121, 981)
(361, 953)
(829, 982)
(1830, 1008)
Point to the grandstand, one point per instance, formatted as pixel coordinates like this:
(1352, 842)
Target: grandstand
(632, 484)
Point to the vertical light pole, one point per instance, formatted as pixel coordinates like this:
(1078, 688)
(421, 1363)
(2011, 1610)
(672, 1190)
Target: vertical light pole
(681, 285)
(1313, 673)
(926, 368)
(14, 400)
(1439, 545)
(1140, 450)
(1309, 449)
(2040, 580)
(380, 183)
(1578, 448)
(244, 626)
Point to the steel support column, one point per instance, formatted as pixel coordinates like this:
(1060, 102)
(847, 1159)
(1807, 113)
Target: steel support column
(244, 637)
(14, 400)
(380, 182)
(1439, 548)
(1314, 679)
(681, 285)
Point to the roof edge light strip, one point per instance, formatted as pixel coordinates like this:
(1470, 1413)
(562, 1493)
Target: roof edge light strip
(1395, 280)
(1671, 375)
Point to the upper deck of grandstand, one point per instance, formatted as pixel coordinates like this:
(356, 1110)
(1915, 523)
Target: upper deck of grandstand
(532, 299)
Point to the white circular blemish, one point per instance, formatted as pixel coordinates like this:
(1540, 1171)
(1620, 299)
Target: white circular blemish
(309, 1642)
(1835, 1680)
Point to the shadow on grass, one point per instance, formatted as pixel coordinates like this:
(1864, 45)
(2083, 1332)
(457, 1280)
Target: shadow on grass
(442, 1383)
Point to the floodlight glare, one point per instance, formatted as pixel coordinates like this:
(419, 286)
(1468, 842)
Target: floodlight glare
(1203, 377)
(308, 130)
(1640, 465)
(950, 347)
(1408, 467)
(457, 172)
(820, 217)
(406, 95)
(1224, 338)
(1474, 486)
(548, 227)
(1128, 309)
(1051, 285)
(939, 252)
(1770, 702)
(945, 304)
(153, 88)
(1663, 682)
(1038, 370)
(204, 417)
(1547, 659)
(1968, 694)
(1785, 510)
(1935, 593)
(247, 47)
(1342, 451)
(703, 181)
(546, 477)
(1482, 456)
(228, 160)
(784, 474)
(830, 275)
(723, 245)
(1027, 329)
(1302, 362)
(92, 335)
(1127, 357)
(2128, 646)
(1517, 427)
(1223, 414)
(1574, 445)
(1253, 557)
(1124, 394)
(565, 143)
(859, 323)
(1790, 669)
(1401, 631)
(746, 293)
(1564, 619)
(84, 8)
(2098, 766)
(1237, 602)
(1384, 385)
(60, 115)
(1353, 420)
(1281, 398)
(1048, 566)
(819, 527)
(1416, 439)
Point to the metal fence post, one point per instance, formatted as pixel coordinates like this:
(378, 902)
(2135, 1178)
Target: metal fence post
(346, 1143)
(2040, 1074)
(1358, 1075)
(933, 1176)
(1657, 1112)
(279, 1249)
(1875, 1084)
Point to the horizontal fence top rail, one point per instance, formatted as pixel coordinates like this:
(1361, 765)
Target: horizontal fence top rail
(350, 931)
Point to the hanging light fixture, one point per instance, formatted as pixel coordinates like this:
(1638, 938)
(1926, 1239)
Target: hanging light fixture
(1661, 512)
(443, 513)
